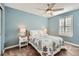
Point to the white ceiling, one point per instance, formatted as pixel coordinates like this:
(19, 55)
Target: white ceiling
(32, 7)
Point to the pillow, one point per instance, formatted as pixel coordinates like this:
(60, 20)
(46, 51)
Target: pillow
(34, 32)
(37, 33)
(42, 33)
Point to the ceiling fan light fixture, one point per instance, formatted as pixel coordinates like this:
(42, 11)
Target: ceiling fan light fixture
(49, 12)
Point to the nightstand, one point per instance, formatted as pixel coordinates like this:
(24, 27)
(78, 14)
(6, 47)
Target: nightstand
(23, 41)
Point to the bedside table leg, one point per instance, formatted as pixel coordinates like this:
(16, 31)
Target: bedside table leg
(19, 45)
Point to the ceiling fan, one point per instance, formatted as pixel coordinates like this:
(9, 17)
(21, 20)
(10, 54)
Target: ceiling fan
(50, 8)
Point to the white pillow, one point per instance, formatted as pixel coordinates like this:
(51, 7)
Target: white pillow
(37, 33)
(42, 33)
(34, 32)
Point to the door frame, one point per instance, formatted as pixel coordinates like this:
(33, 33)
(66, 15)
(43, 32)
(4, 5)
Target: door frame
(2, 28)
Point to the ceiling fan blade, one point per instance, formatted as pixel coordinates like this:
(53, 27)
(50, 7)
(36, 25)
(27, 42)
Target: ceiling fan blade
(59, 9)
(51, 5)
(41, 9)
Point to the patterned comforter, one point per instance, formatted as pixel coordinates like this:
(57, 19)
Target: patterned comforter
(47, 43)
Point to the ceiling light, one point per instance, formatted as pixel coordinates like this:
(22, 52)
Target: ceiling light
(49, 12)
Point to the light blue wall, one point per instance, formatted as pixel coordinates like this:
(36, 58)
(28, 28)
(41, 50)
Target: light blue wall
(53, 26)
(13, 18)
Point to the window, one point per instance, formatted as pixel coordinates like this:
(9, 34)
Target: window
(66, 26)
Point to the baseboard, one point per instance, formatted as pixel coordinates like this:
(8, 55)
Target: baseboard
(11, 47)
(14, 46)
(72, 43)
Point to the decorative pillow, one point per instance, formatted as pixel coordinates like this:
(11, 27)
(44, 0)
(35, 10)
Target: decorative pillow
(37, 33)
(34, 32)
(42, 33)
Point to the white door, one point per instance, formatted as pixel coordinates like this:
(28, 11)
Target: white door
(0, 31)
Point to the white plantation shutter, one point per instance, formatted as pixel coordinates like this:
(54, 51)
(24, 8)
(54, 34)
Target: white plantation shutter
(66, 26)
(61, 26)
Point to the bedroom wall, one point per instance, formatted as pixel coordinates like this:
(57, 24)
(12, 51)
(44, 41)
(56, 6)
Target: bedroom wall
(53, 26)
(14, 17)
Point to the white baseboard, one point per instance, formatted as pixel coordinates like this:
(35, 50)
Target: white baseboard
(72, 44)
(13, 46)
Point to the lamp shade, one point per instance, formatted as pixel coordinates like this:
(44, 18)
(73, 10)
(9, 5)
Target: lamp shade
(22, 30)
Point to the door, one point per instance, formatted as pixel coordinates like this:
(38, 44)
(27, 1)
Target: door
(0, 31)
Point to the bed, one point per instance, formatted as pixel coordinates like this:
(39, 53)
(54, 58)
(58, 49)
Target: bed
(45, 44)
